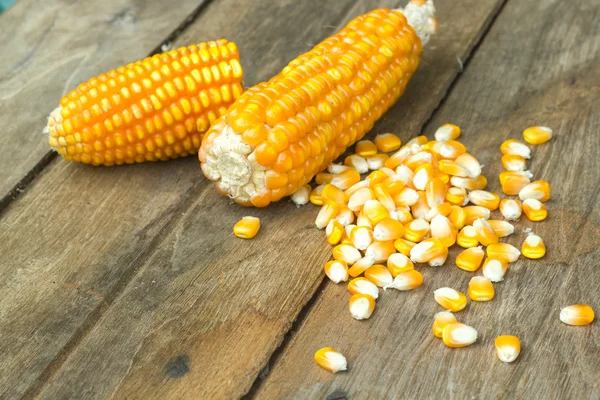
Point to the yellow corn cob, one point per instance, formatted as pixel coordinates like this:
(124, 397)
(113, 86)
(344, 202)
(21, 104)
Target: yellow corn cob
(279, 134)
(154, 109)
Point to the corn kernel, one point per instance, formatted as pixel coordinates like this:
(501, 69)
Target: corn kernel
(345, 216)
(501, 228)
(328, 211)
(379, 275)
(535, 210)
(377, 161)
(427, 250)
(346, 253)
(481, 289)
(513, 146)
(331, 193)
(387, 142)
(334, 231)
(510, 209)
(356, 187)
(406, 197)
(336, 270)
(336, 169)
(247, 227)
(470, 259)
(365, 148)
(380, 251)
(577, 314)
(513, 181)
(361, 306)
(416, 230)
(538, 190)
(398, 263)
(384, 197)
(508, 348)
(361, 266)
(478, 183)
(443, 209)
(483, 198)
(404, 246)
(435, 192)
(447, 132)
(420, 209)
(485, 232)
(440, 259)
(458, 335)
(402, 215)
(363, 286)
(330, 359)
(453, 168)
(494, 269)
(420, 158)
(457, 196)
(362, 220)
(442, 229)
(323, 178)
(503, 251)
(358, 163)
(406, 280)
(440, 320)
(388, 229)
(467, 237)
(450, 299)
(346, 179)
(533, 247)
(537, 134)
(361, 237)
(398, 157)
(458, 217)
(315, 195)
(357, 201)
(469, 162)
(375, 211)
(422, 175)
(513, 162)
(475, 212)
(301, 196)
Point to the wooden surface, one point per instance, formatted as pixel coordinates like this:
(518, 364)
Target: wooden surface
(127, 282)
(48, 48)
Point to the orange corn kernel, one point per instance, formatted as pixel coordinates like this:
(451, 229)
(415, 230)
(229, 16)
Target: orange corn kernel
(402, 215)
(398, 263)
(538, 190)
(442, 229)
(476, 212)
(362, 220)
(334, 232)
(406, 280)
(422, 175)
(516, 147)
(393, 185)
(478, 183)
(377, 177)
(379, 275)
(427, 250)
(459, 335)
(470, 259)
(535, 210)
(513, 182)
(361, 237)
(398, 157)
(357, 201)
(387, 142)
(435, 192)
(503, 251)
(384, 197)
(533, 247)
(416, 230)
(365, 148)
(346, 179)
(406, 197)
(457, 196)
(377, 161)
(330, 359)
(537, 134)
(328, 211)
(375, 211)
(485, 233)
(315, 195)
(481, 289)
(358, 163)
(510, 209)
(406, 175)
(301, 196)
(494, 269)
(361, 306)
(363, 286)
(420, 209)
(346, 253)
(513, 162)
(421, 140)
(483, 198)
(380, 251)
(388, 229)
(336, 270)
(404, 246)
(336, 169)
(440, 320)
(356, 187)
(577, 314)
(361, 266)
(443, 209)
(323, 178)
(247, 227)
(345, 216)
(447, 132)
(458, 217)
(331, 193)
(453, 168)
(467, 237)
(440, 259)
(450, 299)
(418, 159)
(508, 348)
(501, 228)
(469, 162)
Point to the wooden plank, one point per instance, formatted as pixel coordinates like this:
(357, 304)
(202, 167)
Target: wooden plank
(50, 47)
(206, 310)
(534, 67)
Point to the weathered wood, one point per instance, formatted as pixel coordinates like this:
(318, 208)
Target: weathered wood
(204, 311)
(48, 48)
(537, 65)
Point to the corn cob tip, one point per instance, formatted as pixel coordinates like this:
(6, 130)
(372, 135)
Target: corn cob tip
(420, 15)
(53, 118)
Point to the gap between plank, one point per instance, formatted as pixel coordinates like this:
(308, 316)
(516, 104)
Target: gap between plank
(47, 159)
(307, 308)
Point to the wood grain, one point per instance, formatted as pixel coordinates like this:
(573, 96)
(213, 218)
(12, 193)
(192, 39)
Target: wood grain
(48, 48)
(206, 310)
(537, 65)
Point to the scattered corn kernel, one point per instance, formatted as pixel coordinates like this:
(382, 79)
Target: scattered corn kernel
(440, 259)
(421, 209)
(330, 359)
(377, 161)
(358, 163)
(423, 174)
(404, 246)
(381, 251)
(346, 179)
(336, 270)
(323, 178)
(435, 192)
(388, 229)
(486, 199)
(427, 250)
(334, 231)
(459, 335)
(537, 134)
(331, 193)
(475, 212)
(458, 217)
(501, 228)
(440, 320)
(361, 306)
(398, 157)
(379, 275)
(503, 251)
(494, 269)
(365, 148)
(533, 247)
(513, 162)
(361, 266)
(538, 190)
(469, 162)
(247, 227)
(416, 230)
(535, 210)
(383, 196)
(453, 168)
(362, 220)
(328, 211)
(447, 132)
(363, 286)
(470, 259)
(336, 169)
(508, 348)
(357, 201)
(375, 211)
(510, 209)
(516, 147)
(467, 237)
(443, 209)
(346, 253)
(398, 263)
(457, 196)
(514, 181)
(345, 216)
(478, 183)
(406, 280)
(361, 237)
(481, 288)
(485, 233)
(577, 314)
(387, 142)
(442, 229)
(301, 196)
(406, 197)
(450, 299)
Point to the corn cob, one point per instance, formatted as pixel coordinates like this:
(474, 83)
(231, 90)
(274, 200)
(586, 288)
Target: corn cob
(279, 134)
(154, 109)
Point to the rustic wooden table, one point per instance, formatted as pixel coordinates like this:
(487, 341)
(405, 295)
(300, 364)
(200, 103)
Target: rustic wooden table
(127, 282)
